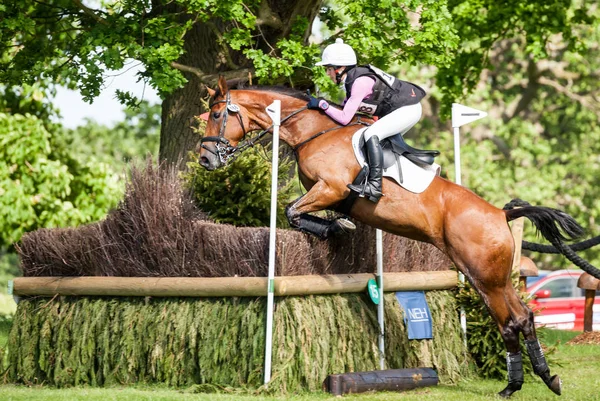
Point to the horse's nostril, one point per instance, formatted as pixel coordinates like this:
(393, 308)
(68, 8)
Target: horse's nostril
(204, 161)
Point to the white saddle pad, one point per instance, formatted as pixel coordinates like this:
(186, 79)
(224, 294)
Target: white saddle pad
(415, 177)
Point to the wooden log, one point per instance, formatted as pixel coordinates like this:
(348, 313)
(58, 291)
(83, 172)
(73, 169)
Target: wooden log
(588, 311)
(380, 380)
(528, 269)
(517, 232)
(590, 284)
(228, 286)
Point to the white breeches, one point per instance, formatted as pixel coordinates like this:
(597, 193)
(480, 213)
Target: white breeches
(398, 121)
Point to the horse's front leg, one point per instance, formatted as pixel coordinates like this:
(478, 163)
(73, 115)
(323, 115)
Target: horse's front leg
(319, 197)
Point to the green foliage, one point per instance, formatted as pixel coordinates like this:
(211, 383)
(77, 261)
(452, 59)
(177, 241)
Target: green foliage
(482, 24)
(9, 268)
(87, 42)
(541, 140)
(28, 99)
(5, 325)
(240, 193)
(100, 341)
(42, 186)
(382, 32)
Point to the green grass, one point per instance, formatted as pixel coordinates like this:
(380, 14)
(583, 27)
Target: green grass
(551, 336)
(578, 366)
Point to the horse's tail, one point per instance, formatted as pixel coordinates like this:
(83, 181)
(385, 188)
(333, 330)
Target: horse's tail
(551, 223)
(554, 225)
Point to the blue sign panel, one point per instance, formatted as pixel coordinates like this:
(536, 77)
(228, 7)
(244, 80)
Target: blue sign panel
(416, 314)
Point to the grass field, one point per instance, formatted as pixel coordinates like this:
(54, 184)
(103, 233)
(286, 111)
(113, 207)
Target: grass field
(577, 365)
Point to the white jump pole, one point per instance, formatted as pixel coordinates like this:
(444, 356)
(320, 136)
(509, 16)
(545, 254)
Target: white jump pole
(462, 115)
(380, 310)
(274, 111)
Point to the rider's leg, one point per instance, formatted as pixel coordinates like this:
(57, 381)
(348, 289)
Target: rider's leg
(397, 122)
(372, 190)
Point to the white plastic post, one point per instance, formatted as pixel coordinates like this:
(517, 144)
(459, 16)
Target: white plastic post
(274, 111)
(457, 172)
(380, 310)
(462, 115)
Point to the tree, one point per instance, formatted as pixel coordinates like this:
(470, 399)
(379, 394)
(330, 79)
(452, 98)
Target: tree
(42, 186)
(494, 53)
(541, 140)
(185, 45)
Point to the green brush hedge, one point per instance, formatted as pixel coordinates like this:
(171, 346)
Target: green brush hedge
(98, 341)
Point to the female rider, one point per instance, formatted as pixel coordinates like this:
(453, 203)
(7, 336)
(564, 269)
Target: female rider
(371, 91)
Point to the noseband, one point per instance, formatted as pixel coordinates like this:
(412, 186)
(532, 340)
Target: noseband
(224, 150)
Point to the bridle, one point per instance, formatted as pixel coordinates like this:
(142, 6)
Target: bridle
(224, 150)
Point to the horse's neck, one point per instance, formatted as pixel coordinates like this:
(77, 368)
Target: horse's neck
(302, 126)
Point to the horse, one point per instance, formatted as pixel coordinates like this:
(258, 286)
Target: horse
(474, 234)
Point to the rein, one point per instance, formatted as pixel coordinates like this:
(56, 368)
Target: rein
(225, 152)
(318, 134)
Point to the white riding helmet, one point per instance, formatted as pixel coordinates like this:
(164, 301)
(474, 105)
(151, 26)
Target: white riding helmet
(338, 54)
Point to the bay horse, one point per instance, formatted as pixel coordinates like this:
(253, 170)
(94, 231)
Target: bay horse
(473, 233)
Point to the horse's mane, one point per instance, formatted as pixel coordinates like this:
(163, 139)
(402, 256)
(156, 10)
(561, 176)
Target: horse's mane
(284, 90)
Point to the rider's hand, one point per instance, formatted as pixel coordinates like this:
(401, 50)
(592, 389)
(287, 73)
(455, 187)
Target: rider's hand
(313, 103)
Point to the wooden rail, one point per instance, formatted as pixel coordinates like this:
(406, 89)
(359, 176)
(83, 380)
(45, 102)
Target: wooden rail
(228, 286)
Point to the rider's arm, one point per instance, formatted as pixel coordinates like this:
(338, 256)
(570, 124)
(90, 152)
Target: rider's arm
(361, 88)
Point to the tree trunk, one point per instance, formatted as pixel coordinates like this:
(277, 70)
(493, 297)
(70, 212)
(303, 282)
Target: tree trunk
(203, 52)
(180, 107)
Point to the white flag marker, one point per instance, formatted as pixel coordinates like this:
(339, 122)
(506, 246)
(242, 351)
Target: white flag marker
(462, 115)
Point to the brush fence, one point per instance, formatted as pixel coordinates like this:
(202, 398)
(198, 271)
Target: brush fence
(209, 332)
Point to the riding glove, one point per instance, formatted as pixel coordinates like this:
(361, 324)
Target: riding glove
(313, 103)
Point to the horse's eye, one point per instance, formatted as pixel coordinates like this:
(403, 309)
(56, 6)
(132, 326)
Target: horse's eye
(216, 115)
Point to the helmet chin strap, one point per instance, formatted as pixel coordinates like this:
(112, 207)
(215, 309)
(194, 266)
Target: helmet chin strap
(339, 73)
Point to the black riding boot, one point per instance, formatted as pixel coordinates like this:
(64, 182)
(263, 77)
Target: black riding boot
(372, 189)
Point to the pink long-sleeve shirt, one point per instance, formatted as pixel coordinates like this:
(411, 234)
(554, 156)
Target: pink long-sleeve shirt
(361, 88)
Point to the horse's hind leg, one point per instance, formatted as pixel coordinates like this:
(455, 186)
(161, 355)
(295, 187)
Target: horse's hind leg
(494, 286)
(512, 317)
(536, 354)
(509, 325)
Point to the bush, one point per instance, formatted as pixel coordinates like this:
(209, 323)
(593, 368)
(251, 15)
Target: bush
(42, 185)
(240, 193)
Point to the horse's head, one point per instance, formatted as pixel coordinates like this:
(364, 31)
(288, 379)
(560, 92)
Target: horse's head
(228, 122)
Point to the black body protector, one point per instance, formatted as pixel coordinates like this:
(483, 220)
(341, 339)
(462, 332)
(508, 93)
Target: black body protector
(389, 93)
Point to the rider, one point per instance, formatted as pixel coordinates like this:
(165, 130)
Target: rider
(371, 91)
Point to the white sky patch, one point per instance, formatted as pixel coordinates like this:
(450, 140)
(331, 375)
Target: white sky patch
(105, 109)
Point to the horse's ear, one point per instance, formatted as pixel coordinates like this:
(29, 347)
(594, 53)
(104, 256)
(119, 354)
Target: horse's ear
(222, 85)
(211, 91)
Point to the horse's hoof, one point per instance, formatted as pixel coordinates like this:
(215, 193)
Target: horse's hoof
(341, 226)
(509, 390)
(555, 384)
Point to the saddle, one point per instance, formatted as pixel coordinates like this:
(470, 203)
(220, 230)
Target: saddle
(395, 146)
(413, 169)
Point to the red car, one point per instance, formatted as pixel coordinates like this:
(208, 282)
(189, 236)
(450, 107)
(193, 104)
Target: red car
(559, 303)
